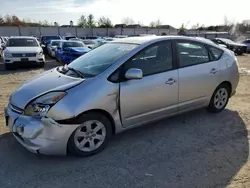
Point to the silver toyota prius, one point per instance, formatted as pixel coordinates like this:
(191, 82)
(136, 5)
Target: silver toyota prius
(120, 85)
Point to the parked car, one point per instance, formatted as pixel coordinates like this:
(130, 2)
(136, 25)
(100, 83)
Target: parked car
(247, 43)
(91, 43)
(1, 47)
(45, 40)
(231, 45)
(91, 37)
(52, 46)
(4, 39)
(22, 51)
(118, 86)
(67, 37)
(69, 50)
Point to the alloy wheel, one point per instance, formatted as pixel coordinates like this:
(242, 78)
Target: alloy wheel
(220, 98)
(90, 136)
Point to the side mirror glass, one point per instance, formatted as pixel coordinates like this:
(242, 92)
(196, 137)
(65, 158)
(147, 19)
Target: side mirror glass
(134, 73)
(3, 46)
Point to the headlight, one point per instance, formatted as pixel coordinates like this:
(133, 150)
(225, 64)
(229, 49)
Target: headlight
(40, 52)
(40, 106)
(7, 54)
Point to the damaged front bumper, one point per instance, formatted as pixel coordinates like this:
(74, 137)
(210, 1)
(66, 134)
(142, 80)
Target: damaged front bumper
(39, 135)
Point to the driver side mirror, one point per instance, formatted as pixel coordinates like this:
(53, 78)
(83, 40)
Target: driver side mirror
(133, 74)
(58, 48)
(3, 46)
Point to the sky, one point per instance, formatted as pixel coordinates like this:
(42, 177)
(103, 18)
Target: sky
(176, 12)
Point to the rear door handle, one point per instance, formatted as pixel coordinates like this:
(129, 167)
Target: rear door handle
(214, 71)
(170, 81)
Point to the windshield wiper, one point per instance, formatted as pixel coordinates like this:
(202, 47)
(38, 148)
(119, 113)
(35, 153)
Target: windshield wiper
(79, 73)
(65, 68)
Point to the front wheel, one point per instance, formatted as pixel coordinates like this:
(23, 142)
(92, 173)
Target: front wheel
(219, 99)
(41, 64)
(91, 136)
(9, 66)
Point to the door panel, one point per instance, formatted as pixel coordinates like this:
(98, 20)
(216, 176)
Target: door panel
(148, 98)
(196, 85)
(198, 75)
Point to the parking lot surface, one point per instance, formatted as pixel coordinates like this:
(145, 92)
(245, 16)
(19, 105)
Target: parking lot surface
(196, 149)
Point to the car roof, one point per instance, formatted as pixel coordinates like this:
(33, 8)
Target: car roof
(22, 37)
(70, 41)
(147, 39)
(55, 40)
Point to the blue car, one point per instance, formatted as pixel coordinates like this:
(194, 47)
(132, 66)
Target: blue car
(68, 51)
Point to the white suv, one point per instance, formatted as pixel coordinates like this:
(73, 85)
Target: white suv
(22, 51)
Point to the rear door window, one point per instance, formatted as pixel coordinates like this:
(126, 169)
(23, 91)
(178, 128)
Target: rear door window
(190, 53)
(216, 53)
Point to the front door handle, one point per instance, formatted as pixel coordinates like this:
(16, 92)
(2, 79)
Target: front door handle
(170, 81)
(214, 71)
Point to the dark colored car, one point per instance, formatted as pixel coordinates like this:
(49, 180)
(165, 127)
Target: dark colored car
(237, 48)
(69, 50)
(247, 43)
(45, 40)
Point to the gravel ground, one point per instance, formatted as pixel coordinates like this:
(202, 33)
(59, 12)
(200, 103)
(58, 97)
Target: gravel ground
(196, 149)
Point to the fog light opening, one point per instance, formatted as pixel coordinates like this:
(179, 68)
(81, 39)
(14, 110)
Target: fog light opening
(20, 130)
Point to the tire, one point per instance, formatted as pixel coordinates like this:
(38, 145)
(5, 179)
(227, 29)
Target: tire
(239, 53)
(219, 99)
(41, 64)
(9, 66)
(85, 135)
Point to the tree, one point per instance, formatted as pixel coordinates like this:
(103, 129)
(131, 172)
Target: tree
(128, 21)
(196, 26)
(1, 20)
(90, 21)
(82, 22)
(16, 21)
(158, 23)
(104, 22)
(152, 24)
(182, 30)
(8, 20)
(140, 23)
(45, 23)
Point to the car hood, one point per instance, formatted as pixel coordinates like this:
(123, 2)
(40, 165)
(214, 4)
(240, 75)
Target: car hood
(48, 81)
(237, 44)
(78, 49)
(22, 49)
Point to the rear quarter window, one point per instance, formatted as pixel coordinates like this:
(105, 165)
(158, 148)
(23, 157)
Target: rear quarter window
(216, 53)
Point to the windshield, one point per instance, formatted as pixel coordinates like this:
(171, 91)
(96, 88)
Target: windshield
(55, 43)
(22, 42)
(71, 37)
(72, 44)
(89, 42)
(51, 37)
(227, 41)
(99, 59)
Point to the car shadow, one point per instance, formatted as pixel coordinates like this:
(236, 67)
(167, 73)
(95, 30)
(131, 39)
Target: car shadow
(195, 149)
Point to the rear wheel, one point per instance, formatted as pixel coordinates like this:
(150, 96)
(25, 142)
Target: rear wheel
(91, 136)
(219, 99)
